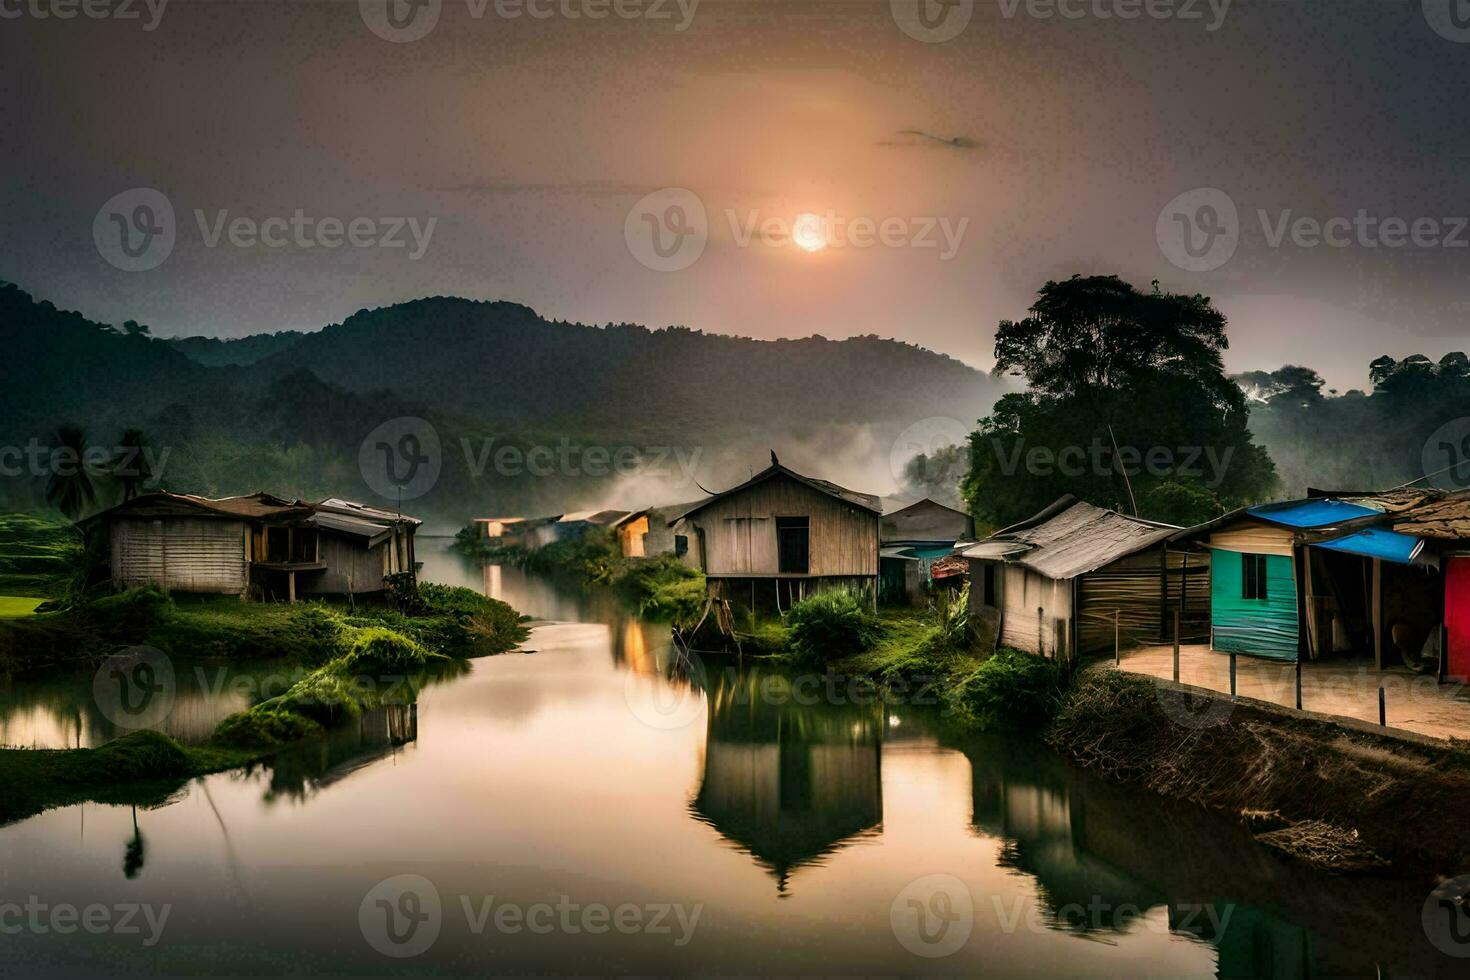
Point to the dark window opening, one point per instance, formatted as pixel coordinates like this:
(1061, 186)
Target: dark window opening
(987, 577)
(1253, 577)
(793, 544)
(681, 544)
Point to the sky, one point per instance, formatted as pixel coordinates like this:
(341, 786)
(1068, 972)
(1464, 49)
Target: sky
(949, 158)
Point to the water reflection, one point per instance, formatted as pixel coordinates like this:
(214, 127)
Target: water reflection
(787, 782)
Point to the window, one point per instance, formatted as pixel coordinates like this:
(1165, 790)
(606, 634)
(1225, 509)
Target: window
(793, 540)
(681, 545)
(988, 572)
(1253, 577)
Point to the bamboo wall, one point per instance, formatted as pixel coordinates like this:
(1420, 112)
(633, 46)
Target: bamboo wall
(1145, 590)
(180, 554)
(740, 531)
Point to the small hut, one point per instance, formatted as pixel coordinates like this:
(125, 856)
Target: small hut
(656, 531)
(913, 535)
(1076, 576)
(780, 536)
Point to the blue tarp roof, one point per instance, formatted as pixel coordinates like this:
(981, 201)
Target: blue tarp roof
(1321, 512)
(1378, 543)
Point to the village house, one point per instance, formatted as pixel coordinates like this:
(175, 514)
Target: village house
(780, 536)
(913, 536)
(1080, 578)
(1322, 577)
(255, 545)
(656, 531)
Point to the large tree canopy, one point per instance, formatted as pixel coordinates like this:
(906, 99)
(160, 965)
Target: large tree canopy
(1128, 406)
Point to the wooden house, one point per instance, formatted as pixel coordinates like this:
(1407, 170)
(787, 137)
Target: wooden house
(1074, 574)
(912, 536)
(781, 536)
(656, 531)
(259, 544)
(1315, 578)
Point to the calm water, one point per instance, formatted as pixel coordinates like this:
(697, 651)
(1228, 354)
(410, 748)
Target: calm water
(597, 807)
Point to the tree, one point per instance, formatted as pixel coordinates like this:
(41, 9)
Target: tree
(70, 488)
(131, 467)
(133, 328)
(1127, 394)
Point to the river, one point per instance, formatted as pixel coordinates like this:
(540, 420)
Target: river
(593, 805)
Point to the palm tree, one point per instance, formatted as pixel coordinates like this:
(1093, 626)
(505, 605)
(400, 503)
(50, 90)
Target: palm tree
(70, 488)
(130, 466)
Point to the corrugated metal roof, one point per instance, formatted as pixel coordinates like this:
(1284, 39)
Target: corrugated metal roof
(1375, 542)
(352, 507)
(1079, 539)
(1312, 513)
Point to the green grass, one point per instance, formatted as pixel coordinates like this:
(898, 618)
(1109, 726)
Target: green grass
(12, 606)
(36, 556)
(143, 768)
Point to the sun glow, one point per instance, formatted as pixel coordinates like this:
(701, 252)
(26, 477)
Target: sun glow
(809, 233)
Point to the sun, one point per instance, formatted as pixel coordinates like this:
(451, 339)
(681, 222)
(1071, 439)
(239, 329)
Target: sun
(809, 232)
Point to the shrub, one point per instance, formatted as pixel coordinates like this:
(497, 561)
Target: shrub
(831, 625)
(262, 726)
(1010, 690)
(378, 648)
(130, 615)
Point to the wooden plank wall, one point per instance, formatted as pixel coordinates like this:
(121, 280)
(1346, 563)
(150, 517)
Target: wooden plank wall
(181, 554)
(1024, 591)
(351, 568)
(1144, 589)
(740, 531)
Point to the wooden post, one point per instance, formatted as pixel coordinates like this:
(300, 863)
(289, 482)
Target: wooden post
(1176, 646)
(1232, 675)
(1299, 683)
(1382, 708)
(1377, 613)
(1117, 646)
(291, 586)
(1444, 651)
(1041, 631)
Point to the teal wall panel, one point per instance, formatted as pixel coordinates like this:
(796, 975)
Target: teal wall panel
(1260, 627)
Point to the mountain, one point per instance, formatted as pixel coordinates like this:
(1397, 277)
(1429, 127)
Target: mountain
(289, 411)
(214, 352)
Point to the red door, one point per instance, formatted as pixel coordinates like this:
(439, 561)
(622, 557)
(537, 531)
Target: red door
(1457, 616)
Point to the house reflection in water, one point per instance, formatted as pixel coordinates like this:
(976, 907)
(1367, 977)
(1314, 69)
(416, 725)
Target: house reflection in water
(788, 782)
(305, 770)
(1076, 839)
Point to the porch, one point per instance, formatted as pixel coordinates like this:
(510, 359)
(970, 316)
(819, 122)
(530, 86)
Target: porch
(1345, 688)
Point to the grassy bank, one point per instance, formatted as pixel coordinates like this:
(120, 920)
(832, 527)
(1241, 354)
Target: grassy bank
(452, 621)
(144, 768)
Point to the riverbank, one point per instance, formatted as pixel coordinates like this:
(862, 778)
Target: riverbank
(144, 768)
(1335, 795)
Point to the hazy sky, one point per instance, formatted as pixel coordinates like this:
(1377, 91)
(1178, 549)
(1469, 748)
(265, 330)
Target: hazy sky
(1041, 140)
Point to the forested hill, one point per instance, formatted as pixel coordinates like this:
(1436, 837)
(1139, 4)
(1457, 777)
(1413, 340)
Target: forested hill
(290, 412)
(503, 361)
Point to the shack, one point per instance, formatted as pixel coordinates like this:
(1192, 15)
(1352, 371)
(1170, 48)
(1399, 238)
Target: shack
(1322, 562)
(912, 536)
(656, 531)
(258, 545)
(1078, 577)
(780, 536)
